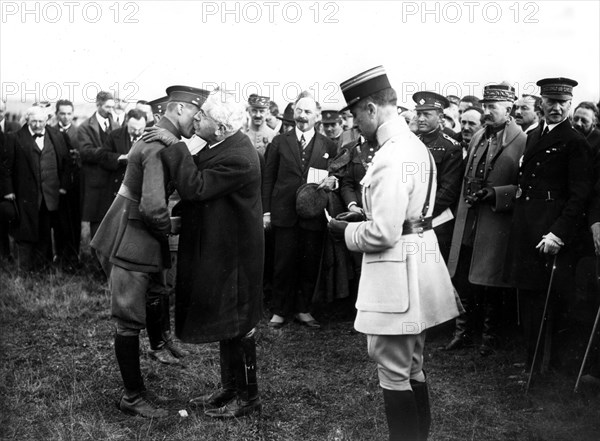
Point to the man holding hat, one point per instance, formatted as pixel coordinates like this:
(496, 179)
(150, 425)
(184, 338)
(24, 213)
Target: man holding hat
(554, 183)
(132, 242)
(404, 286)
(483, 217)
(447, 155)
(258, 131)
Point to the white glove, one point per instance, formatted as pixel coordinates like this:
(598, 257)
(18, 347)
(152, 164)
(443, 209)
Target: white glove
(550, 244)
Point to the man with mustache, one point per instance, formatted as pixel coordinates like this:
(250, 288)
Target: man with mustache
(526, 112)
(448, 158)
(554, 183)
(585, 119)
(132, 245)
(483, 216)
(298, 241)
(471, 121)
(258, 131)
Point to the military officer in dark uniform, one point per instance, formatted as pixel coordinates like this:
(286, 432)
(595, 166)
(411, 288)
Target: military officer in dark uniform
(553, 188)
(447, 154)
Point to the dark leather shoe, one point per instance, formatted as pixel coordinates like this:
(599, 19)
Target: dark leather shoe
(163, 355)
(140, 406)
(236, 409)
(310, 322)
(156, 399)
(176, 349)
(457, 343)
(216, 399)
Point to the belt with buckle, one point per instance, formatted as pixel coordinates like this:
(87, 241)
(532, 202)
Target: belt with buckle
(417, 226)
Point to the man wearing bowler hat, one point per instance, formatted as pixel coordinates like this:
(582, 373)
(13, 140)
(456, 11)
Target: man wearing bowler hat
(404, 286)
(483, 216)
(448, 158)
(554, 183)
(132, 244)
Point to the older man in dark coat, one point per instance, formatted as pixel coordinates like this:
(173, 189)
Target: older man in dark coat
(133, 247)
(553, 188)
(483, 217)
(35, 173)
(221, 250)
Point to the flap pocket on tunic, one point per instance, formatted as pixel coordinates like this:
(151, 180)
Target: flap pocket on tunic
(137, 245)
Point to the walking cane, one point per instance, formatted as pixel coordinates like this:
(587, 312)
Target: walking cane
(589, 345)
(537, 345)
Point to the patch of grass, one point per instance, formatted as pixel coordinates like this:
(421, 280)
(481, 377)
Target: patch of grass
(59, 381)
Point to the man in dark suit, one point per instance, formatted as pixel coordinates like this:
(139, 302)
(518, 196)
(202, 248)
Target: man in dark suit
(553, 188)
(93, 133)
(133, 247)
(585, 118)
(64, 124)
(34, 172)
(298, 242)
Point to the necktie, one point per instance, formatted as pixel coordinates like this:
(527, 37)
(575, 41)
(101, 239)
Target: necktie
(302, 142)
(546, 130)
(106, 125)
(37, 135)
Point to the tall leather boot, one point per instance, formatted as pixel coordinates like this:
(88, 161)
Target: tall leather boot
(491, 310)
(133, 401)
(402, 416)
(154, 328)
(461, 337)
(421, 393)
(243, 358)
(174, 347)
(228, 391)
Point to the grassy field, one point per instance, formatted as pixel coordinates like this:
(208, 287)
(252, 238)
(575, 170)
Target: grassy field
(60, 381)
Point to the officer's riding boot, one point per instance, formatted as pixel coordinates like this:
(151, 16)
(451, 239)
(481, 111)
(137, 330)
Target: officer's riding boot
(227, 392)
(173, 347)
(421, 393)
(243, 357)
(461, 336)
(402, 416)
(154, 318)
(134, 401)
(492, 309)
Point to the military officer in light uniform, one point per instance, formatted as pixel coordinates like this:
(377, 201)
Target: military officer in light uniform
(553, 188)
(258, 131)
(405, 287)
(132, 244)
(448, 158)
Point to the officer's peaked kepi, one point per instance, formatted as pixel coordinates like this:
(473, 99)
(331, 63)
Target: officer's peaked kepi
(363, 85)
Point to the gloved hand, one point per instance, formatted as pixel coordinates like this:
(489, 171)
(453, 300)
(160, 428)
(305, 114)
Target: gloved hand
(351, 216)
(152, 134)
(485, 195)
(550, 244)
(336, 229)
(328, 184)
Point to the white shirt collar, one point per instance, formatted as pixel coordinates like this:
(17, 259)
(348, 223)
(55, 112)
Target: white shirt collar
(61, 127)
(551, 126)
(31, 132)
(308, 136)
(101, 120)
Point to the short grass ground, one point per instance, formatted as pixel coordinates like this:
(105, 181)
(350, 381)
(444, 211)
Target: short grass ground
(59, 381)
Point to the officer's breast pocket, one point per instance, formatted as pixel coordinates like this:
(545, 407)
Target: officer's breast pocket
(438, 154)
(385, 278)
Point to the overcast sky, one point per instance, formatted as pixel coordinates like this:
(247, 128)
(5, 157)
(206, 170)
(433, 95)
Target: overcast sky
(51, 50)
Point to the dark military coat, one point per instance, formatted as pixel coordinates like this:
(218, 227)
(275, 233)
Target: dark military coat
(221, 244)
(448, 157)
(554, 185)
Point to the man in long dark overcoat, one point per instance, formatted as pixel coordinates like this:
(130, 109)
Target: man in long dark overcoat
(133, 247)
(553, 188)
(221, 250)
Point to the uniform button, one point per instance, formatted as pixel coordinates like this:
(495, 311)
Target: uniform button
(537, 163)
(526, 198)
(520, 173)
(533, 175)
